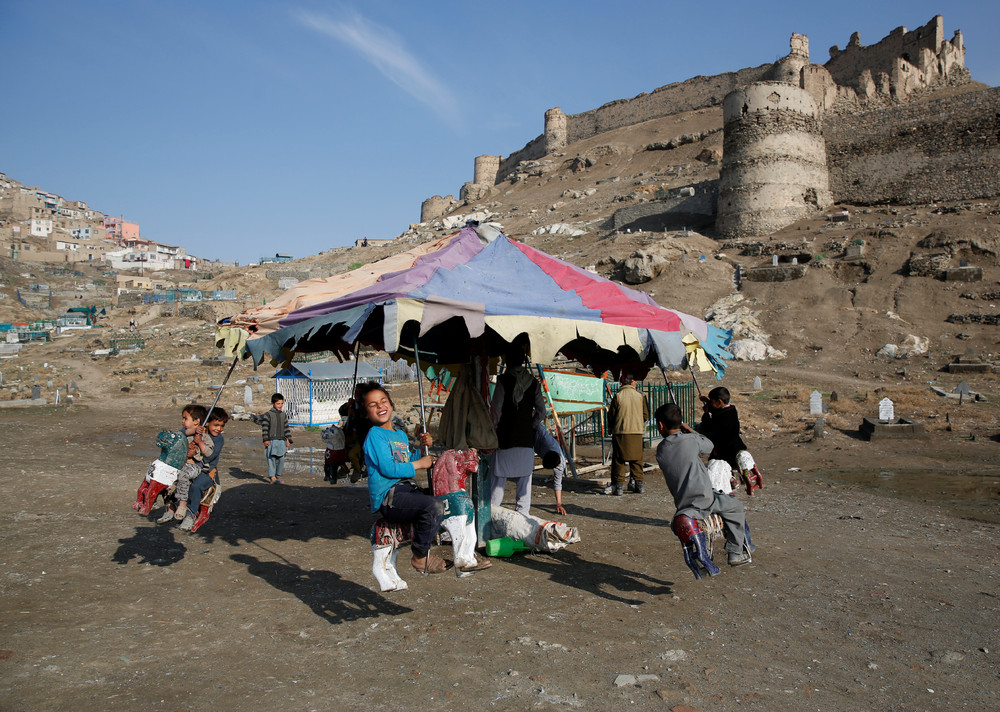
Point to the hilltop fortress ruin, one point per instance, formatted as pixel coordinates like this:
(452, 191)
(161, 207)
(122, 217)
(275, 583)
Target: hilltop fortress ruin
(799, 136)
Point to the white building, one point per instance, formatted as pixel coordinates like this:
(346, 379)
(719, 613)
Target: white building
(40, 227)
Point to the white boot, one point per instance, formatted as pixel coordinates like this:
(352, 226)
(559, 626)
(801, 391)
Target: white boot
(464, 549)
(384, 568)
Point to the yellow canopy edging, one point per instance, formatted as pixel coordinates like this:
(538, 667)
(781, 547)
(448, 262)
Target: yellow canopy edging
(232, 340)
(697, 354)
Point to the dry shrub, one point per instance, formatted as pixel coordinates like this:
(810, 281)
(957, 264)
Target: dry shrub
(839, 422)
(905, 399)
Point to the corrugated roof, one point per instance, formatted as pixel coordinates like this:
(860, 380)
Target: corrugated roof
(334, 370)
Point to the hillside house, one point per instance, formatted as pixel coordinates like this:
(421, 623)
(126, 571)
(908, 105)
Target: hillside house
(40, 227)
(118, 229)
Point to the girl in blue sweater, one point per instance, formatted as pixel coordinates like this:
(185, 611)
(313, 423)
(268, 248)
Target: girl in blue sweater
(391, 468)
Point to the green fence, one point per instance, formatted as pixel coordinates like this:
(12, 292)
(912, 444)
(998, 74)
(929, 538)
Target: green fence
(126, 343)
(589, 429)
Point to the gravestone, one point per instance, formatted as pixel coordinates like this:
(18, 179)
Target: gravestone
(756, 383)
(57, 397)
(963, 388)
(833, 396)
(247, 395)
(886, 412)
(48, 384)
(774, 260)
(815, 403)
(72, 387)
(36, 392)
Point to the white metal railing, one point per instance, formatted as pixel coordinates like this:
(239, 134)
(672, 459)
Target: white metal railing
(394, 371)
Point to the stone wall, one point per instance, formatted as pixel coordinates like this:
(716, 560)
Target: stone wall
(296, 274)
(436, 206)
(676, 212)
(563, 129)
(947, 149)
(532, 151)
(696, 93)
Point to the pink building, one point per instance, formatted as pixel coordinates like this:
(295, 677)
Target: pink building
(118, 229)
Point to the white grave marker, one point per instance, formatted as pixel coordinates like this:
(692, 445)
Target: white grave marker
(885, 410)
(815, 403)
(756, 383)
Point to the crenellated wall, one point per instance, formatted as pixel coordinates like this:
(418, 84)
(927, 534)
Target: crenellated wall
(900, 63)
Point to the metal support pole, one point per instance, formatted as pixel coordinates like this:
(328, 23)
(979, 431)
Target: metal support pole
(219, 394)
(423, 421)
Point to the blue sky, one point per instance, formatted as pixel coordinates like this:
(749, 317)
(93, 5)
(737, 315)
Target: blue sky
(241, 128)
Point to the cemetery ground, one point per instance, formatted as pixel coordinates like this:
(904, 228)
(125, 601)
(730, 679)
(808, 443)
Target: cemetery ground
(874, 585)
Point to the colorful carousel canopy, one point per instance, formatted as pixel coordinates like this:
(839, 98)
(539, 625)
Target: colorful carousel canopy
(462, 296)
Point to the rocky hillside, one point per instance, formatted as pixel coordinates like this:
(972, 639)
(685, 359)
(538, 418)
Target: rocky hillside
(870, 303)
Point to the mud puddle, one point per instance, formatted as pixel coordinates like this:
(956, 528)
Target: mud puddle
(973, 495)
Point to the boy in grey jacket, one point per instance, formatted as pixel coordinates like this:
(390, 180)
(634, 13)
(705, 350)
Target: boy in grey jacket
(277, 437)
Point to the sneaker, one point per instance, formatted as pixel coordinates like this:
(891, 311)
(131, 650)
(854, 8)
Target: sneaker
(168, 516)
(187, 524)
(639, 488)
(615, 490)
(739, 559)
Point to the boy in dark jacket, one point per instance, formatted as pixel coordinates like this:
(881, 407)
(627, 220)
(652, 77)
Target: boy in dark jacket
(721, 424)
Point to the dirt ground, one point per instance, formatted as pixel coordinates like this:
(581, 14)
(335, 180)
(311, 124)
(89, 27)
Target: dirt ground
(866, 592)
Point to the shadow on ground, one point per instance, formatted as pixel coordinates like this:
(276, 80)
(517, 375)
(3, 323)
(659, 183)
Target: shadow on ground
(570, 569)
(329, 596)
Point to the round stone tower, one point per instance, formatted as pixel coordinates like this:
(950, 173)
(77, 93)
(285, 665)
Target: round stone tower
(789, 69)
(486, 169)
(436, 206)
(773, 161)
(556, 132)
